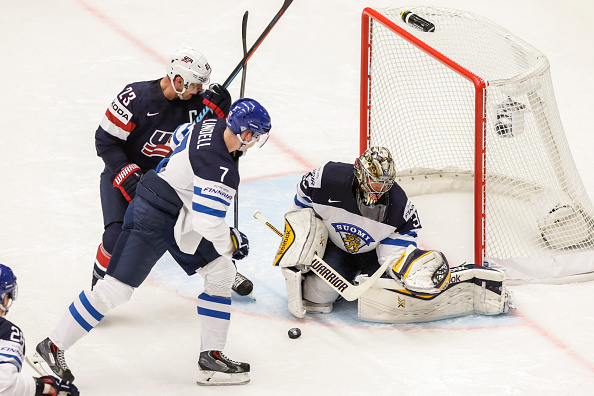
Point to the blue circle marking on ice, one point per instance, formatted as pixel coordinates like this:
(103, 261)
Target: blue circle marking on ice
(273, 197)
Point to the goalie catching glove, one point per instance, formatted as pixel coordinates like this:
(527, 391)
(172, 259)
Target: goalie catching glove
(127, 179)
(218, 99)
(241, 244)
(422, 271)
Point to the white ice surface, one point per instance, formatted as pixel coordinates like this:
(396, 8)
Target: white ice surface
(63, 61)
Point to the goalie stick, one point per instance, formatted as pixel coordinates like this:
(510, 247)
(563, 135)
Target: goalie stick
(346, 289)
(249, 53)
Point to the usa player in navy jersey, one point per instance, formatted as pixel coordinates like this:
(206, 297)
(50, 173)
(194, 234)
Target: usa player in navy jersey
(132, 136)
(181, 210)
(12, 351)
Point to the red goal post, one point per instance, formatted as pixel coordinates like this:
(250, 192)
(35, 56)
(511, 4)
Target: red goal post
(479, 86)
(473, 104)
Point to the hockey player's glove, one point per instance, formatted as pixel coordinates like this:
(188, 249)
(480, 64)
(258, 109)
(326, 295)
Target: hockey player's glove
(60, 387)
(218, 99)
(240, 244)
(126, 180)
(422, 271)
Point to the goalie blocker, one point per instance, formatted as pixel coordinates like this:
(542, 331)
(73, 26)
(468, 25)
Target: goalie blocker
(423, 289)
(305, 237)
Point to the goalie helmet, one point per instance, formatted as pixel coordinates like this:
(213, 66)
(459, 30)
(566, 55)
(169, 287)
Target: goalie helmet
(8, 286)
(248, 115)
(375, 173)
(189, 64)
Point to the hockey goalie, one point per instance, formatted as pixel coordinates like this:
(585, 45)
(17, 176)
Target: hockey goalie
(355, 223)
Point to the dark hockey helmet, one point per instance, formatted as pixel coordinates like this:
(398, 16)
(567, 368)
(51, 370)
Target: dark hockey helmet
(8, 286)
(375, 173)
(248, 115)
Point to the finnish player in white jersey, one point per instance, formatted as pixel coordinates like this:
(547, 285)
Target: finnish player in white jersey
(354, 222)
(181, 209)
(13, 382)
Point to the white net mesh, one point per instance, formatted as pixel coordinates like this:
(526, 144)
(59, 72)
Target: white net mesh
(424, 111)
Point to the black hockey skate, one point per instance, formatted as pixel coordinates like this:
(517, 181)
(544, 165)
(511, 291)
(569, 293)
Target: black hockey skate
(242, 285)
(217, 369)
(48, 354)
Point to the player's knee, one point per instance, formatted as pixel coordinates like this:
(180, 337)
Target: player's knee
(110, 236)
(316, 290)
(218, 276)
(111, 292)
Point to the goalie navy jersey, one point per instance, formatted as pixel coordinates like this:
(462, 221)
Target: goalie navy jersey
(139, 122)
(329, 191)
(202, 172)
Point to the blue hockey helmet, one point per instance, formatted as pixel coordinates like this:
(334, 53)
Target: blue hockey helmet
(8, 286)
(248, 115)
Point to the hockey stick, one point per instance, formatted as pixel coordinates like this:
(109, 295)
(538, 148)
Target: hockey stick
(249, 54)
(242, 285)
(244, 44)
(239, 66)
(236, 155)
(345, 288)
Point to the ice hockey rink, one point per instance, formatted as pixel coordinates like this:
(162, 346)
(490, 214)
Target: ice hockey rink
(64, 61)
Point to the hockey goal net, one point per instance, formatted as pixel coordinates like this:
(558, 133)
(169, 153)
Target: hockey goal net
(470, 107)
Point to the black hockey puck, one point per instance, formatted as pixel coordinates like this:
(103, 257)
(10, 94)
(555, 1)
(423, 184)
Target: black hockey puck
(294, 333)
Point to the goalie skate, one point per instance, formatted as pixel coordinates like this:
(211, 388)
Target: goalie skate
(217, 369)
(49, 360)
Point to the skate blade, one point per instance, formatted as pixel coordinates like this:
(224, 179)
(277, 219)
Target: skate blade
(216, 378)
(38, 364)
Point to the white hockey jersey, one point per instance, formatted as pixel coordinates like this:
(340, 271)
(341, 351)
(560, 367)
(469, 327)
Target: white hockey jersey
(12, 352)
(204, 175)
(330, 191)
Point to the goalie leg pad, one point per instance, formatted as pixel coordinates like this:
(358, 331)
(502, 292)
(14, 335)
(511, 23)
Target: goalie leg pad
(293, 281)
(305, 236)
(491, 296)
(311, 307)
(316, 290)
(473, 290)
(298, 307)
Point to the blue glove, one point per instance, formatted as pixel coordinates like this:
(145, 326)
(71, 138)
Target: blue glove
(60, 387)
(240, 244)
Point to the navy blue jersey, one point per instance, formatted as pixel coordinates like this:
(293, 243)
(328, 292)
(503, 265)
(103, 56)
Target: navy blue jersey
(329, 190)
(211, 157)
(138, 124)
(13, 382)
(12, 344)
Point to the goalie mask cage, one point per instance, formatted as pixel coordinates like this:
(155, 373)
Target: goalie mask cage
(470, 107)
